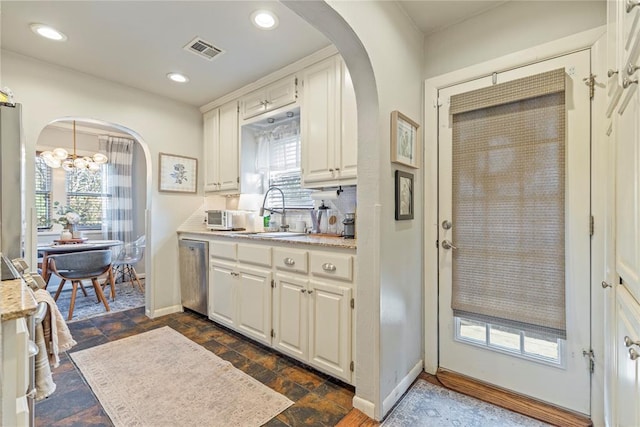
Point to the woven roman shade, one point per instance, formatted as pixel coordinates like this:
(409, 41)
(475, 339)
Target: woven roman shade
(509, 204)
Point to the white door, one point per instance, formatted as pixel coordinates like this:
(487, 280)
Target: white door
(254, 303)
(290, 315)
(506, 353)
(627, 390)
(221, 293)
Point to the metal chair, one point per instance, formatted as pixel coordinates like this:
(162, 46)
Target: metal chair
(129, 255)
(78, 266)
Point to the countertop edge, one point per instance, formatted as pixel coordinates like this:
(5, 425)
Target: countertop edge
(309, 239)
(16, 300)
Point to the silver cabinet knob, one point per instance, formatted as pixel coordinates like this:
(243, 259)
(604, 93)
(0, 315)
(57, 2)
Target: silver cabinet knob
(304, 291)
(448, 245)
(289, 261)
(310, 291)
(631, 68)
(628, 342)
(605, 285)
(612, 73)
(633, 355)
(631, 4)
(446, 224)
(327, 266)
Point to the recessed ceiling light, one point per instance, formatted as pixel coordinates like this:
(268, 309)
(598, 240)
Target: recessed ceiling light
(177, 77)
(264, 19)
(48, 32)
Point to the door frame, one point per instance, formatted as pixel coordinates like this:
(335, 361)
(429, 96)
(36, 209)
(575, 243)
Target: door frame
(581, 41)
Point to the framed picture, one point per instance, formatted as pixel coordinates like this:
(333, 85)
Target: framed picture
(178, 174)
(405, 140)
(404, 195)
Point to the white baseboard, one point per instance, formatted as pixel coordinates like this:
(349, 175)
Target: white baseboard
(164, 311)
(364, 406)
(402, 387)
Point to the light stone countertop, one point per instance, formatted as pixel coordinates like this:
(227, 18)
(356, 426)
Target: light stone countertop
(16, 300)
(307, 239)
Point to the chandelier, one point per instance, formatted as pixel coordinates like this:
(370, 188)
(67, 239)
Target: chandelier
(59, 157)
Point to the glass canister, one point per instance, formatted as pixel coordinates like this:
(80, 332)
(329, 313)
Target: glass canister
(349, 223)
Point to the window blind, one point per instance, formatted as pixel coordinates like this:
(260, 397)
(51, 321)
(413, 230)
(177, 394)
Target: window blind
(43, 193)
(508, 204)
(86, 194)
(285, 173)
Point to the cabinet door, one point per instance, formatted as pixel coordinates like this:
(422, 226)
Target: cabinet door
(330, 328)
(628, 191)
(254, 303)
(348, 147)
(253, 104)
(281, 93)
(222, 293)
(290, 316)
(627, 388)
(229, 142)
(211, 149)
(320, 120)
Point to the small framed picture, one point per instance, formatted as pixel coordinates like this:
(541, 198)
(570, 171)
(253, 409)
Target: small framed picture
(405, 140)
(178, 174)
(404, 195)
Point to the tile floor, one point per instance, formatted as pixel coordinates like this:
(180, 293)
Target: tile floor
(319, 399)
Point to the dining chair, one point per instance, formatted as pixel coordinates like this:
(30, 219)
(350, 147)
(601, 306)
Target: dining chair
(129, 255)
(78, 266)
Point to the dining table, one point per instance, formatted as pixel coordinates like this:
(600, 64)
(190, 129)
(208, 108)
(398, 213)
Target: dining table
(62, 247)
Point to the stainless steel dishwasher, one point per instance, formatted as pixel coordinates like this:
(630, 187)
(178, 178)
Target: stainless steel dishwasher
(194, 274)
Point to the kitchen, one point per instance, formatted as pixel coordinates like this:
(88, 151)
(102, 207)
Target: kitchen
(396, 344)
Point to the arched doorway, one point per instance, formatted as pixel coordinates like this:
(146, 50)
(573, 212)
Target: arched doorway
(54, 194)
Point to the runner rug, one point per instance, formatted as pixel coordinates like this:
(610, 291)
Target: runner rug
(162, 378)
(429, 405)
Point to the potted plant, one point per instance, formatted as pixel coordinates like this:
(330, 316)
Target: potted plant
(67, 217)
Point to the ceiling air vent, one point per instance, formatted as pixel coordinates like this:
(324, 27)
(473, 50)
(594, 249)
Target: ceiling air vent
(203, 48)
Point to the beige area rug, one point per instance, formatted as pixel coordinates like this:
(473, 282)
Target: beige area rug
(161, 378)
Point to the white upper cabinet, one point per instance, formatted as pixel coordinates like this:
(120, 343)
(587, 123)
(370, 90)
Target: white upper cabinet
(328, 125)
(276, 95)
(627, 391)
(221, 145)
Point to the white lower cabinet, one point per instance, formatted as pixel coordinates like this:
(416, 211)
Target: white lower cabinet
(627, 382)
(297, 301)
(15, 373)
(312, 323)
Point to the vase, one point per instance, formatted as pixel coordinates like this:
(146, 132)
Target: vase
(66, 235)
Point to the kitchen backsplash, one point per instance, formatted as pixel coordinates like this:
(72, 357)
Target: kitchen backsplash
(343, 204)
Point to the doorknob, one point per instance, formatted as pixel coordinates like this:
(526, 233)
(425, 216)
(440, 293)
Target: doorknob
(448, 245)
(446, 224)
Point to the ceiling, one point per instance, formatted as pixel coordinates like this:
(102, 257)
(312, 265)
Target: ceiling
(136, 43)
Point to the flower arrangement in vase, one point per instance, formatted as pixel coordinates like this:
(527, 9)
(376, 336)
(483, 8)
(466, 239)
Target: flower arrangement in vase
(69, 218)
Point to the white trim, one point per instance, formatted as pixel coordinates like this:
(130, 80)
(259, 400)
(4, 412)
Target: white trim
(164, 311)
(401, 388)
(364, 406)
(270, 78)
(580, 41)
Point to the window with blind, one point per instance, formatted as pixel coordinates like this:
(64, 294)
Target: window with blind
(509, 211)
(285, 173)
(86, 194)
(43, 193)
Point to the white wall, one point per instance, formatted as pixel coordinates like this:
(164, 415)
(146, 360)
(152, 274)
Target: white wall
(511, 27)
(49, 92)
(375, 36)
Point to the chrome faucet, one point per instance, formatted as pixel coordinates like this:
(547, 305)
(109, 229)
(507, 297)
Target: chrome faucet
(283, 226)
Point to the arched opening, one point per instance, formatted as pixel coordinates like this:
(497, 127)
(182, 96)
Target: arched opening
(54, 190)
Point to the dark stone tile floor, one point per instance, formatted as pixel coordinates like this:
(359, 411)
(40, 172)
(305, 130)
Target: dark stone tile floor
(319, 399)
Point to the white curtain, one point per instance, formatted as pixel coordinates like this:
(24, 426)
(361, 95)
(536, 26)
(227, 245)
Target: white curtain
(120, 206)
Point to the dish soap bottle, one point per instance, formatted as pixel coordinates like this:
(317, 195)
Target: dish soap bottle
(265, 221)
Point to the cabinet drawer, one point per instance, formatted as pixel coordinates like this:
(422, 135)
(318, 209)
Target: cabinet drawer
(336, 266)
(255, 254)
(291, 260)
(224, 250)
